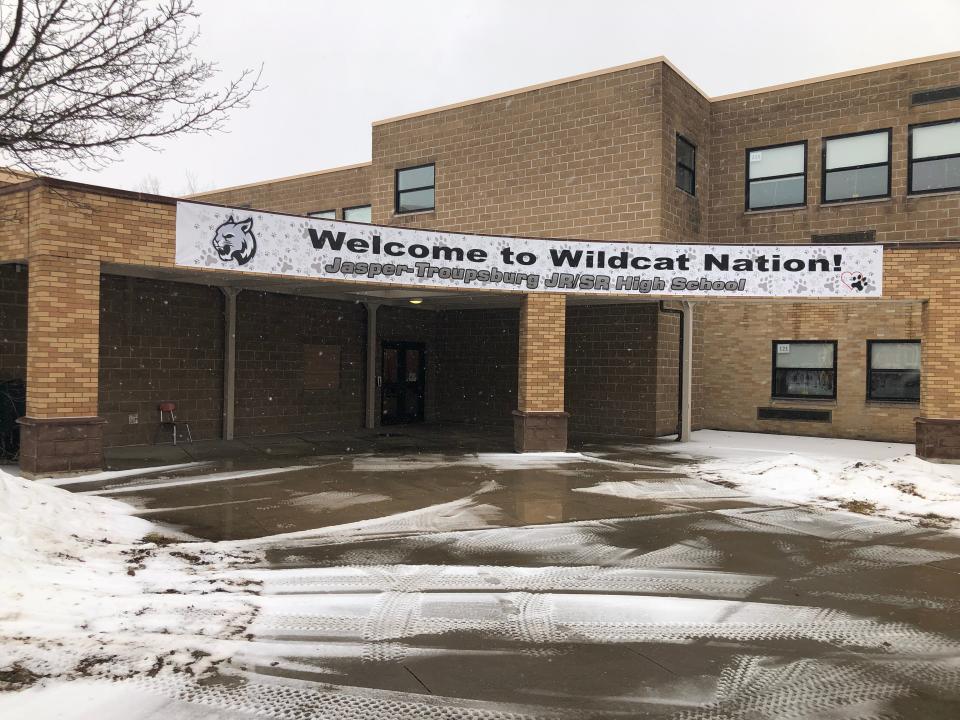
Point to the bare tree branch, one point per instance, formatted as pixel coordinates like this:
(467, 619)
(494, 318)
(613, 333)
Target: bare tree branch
(81, 79)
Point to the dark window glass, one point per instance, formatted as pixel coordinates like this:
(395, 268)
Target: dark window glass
(856, 166)
(935, 157)
(894, 370)
(686, 165)
(804, 369)
(930, 175)
(776, 176)
(416, 189)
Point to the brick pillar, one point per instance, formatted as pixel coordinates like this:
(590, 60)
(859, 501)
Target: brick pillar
(61, 431)
(539, 422)
(938, 424)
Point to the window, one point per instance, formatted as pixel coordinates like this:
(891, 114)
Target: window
(777, 176)
(361, 213)
(324, 214)
(893, 370)
(856, 166)
(415, 189)
(804, 369)
(686, 165)
(934, 157)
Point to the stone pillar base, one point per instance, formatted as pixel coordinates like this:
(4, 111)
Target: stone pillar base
(49, 446)
(539, 431)
(938, 440)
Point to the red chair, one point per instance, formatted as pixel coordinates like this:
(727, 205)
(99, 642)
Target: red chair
(169, 410)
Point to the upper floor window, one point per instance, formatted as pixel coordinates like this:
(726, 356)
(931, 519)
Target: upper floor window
(323, 214)
(360, 213)
(804, 369)
(415, 189)
(893, 370)
(777, 176)
(934, 157)
(686, 165)
(856, 166)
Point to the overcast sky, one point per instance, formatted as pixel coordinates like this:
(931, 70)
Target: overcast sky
(332, 67)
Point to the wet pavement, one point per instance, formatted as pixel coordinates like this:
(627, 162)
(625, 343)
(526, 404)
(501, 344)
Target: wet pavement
(432, 573)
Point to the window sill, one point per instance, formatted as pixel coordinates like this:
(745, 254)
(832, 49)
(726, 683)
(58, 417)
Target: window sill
(932, 193)
(415, 213)
(826, 402)
(893, 403)
(792, 208)
(864, 201)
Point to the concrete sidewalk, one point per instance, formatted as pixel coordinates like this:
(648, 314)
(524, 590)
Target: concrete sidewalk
(414, 576)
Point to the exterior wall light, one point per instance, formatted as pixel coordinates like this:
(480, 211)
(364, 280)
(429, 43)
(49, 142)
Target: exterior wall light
(416, 301)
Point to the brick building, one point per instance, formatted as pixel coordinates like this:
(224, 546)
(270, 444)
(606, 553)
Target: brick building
(103, 323)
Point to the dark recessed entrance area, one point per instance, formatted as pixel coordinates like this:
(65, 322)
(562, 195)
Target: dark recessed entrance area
(403, 383)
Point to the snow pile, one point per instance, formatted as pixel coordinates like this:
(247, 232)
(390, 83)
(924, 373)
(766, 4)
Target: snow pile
(91, 590)
(904, 487)
(866, 477)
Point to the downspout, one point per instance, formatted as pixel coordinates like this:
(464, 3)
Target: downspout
(680, 315)
(685, 363)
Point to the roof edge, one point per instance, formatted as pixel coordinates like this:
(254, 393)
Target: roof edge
(277, 180)
(537, 86)
(71, 186)
(838, 75)
(666, 61)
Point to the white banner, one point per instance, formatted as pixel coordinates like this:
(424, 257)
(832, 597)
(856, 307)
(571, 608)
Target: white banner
(210, 236)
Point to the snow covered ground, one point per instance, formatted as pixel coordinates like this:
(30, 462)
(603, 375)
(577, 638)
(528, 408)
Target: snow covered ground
(454, 610)
(91, 591)
(865, 477)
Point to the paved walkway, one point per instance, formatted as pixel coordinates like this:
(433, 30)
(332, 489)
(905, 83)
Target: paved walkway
(412, 577)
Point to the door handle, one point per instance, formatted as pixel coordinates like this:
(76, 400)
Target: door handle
(379, 380)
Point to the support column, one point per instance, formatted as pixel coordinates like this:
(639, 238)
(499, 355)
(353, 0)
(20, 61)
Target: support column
(229, 361)
(540, 422)
(938, 424)
(370, 420)
(61, 431)
(686, 380)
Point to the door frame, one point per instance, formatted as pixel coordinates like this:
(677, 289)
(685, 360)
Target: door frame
(401, 346)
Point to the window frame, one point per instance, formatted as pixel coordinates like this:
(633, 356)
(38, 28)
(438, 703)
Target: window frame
(691, 170)
(315, 214)
(773, 370)
(397, 192)
(907, 341)
(357, 207)
(911, 161)
(746, 177)
(824, 171)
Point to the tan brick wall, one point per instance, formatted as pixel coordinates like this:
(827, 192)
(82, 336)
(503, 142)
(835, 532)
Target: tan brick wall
(738, 337)
(580, 159)
(868, 101)
(104, 227)
(687, 112)
(933, 274)
(14, 224)
(328, 190)
(63, 325)
(542, 327)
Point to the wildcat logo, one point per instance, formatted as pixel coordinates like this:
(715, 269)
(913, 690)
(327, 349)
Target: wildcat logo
(235, 241)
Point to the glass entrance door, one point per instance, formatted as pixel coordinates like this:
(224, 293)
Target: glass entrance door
(402, 388)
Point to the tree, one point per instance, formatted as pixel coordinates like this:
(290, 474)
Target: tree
(82, 79)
